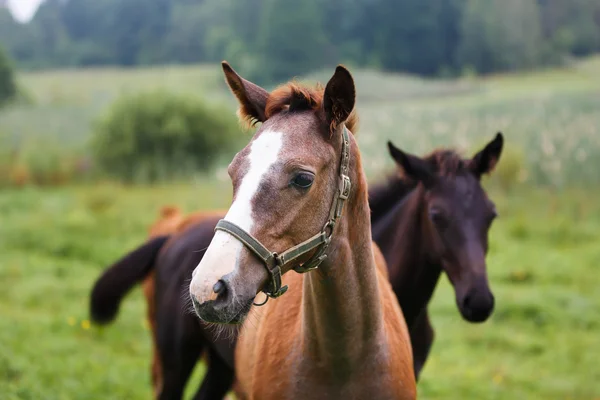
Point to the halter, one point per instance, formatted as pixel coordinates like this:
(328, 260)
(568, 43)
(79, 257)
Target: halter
(274, 262)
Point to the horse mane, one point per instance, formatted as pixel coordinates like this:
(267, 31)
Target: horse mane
(447, 163)
(385, 195)
(292, 97)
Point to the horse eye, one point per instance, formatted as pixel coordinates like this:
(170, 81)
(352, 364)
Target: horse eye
(437, 216)
(303, 180)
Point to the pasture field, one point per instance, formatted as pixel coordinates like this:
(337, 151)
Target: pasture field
(543, 340)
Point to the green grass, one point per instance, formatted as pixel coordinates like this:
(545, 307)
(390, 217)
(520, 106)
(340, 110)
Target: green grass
(541, 342)
(53, 245)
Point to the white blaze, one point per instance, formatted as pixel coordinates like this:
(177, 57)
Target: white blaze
(223, 253)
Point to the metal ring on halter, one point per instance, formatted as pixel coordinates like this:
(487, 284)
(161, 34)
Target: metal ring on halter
(263, 303)
(330, 225)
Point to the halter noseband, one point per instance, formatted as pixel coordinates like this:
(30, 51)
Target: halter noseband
(272, 261)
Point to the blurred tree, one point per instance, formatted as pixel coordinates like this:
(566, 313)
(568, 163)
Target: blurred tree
(8, 89)
(346, 25)
(290, 40)
(51, 38)
(571, 27)
(499, 35)
(413, 35)
(185, 41)
(275, 39)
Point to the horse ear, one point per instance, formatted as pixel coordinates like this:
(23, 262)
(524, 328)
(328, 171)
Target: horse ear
(339, 97)
(414, 167)
(252, 98)
(485, 161)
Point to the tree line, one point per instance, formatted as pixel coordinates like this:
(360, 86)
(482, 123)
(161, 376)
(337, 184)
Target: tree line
(276, 39)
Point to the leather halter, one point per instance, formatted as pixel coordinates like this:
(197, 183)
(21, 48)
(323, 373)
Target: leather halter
(272, 261)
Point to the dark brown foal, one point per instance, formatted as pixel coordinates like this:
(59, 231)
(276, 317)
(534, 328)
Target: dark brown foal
(164, 264)
(435, 218)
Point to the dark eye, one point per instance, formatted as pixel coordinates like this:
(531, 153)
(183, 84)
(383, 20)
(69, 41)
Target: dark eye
(437, 216)
(303, 180)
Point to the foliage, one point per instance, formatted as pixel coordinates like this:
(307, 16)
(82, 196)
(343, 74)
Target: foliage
(275, 39)
(8, 87)
(157, 135)
(500, 35)
(280, 57)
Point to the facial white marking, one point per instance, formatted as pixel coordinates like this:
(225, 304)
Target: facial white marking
(223, 253)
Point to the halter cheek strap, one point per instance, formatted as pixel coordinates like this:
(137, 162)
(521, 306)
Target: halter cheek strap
(274, 262)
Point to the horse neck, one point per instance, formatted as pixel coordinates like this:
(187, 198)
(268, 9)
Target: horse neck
(405, 241)
(342, 314)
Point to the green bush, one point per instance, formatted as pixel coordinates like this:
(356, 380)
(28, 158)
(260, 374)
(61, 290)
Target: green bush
(8, 87)
(158, 135)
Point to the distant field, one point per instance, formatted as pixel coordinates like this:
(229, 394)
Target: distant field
(541, 343)
(551, 119)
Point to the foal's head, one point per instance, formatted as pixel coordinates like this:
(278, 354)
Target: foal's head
(284, 182)
(458, 218)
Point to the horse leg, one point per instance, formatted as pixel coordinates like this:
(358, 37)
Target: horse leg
(421, 337)
(179, 354)
(217, 381)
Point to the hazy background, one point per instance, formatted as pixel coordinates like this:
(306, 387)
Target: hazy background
(111, 109)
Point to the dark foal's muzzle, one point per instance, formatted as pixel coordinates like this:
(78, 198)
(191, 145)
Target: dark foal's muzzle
(477, 305)
(275, 262)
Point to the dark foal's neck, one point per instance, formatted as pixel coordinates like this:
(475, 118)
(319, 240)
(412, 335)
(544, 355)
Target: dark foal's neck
(400, 230)
(342, 321)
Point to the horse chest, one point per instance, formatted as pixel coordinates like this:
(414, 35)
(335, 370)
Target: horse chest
(361, 385)
(304, 379)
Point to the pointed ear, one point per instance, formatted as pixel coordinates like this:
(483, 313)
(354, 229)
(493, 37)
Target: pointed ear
(339, 97)
(252, 98)
(414, 167)
(485, 161)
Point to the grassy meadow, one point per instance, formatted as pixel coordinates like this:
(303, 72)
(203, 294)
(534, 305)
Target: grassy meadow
(541, 342)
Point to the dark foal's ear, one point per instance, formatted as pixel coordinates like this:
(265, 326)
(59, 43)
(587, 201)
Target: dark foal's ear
(485, 161)
(414, 167)
(252, 98)
(339, 97)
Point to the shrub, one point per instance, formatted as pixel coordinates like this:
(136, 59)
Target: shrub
(8, 88)
(159, 135)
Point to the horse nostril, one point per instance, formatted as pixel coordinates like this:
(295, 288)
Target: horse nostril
(219, 287)
(467, 301)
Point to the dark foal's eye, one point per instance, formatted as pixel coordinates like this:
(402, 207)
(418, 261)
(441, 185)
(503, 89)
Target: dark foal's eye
(303, 180)
(437, 217)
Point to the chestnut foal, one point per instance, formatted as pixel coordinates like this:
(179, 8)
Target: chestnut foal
(339, 332)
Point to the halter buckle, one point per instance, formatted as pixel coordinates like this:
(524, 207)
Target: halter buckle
(345, 187)
(310, 265)
(278, 293)
(275, 273)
